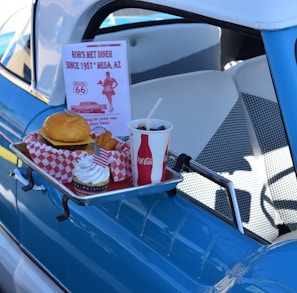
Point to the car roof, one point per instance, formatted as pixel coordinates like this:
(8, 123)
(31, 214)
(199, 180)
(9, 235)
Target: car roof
(263, 14)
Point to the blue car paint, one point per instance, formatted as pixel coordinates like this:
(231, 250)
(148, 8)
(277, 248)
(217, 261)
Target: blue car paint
(13, 127)
(141, 232)
(253, 275)
(136, 231)
(284, 73)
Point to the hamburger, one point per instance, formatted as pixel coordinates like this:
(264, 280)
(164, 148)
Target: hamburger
(66, 126)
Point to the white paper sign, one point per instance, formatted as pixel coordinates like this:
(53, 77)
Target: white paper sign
(98, 85)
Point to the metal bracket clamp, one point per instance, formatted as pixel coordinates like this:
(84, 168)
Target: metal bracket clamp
(182, 162)
(27, 181)
(30, 180)
(66, 213)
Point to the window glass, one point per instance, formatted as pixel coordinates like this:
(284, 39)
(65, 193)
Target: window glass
(134, 15)
(15, 47)
(161, 44)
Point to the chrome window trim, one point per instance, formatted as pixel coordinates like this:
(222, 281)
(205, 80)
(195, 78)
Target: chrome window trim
(23, 85)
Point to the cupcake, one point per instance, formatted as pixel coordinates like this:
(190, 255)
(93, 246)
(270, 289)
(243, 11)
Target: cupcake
(89, 177)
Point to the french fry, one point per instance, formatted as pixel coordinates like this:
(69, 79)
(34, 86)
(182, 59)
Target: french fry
(106, 141)
(100, 139)
(107, 137)
(110, 144)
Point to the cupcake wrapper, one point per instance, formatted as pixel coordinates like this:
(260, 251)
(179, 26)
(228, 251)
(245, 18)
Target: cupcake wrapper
(82, 189)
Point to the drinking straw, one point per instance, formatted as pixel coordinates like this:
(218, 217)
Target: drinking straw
(151, 113)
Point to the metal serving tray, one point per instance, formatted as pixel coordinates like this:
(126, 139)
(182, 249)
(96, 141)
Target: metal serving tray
(119, 190)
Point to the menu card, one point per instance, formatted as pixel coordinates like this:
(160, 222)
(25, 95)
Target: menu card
(97, 84)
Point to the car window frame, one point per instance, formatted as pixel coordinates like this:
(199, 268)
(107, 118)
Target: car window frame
(21, 36)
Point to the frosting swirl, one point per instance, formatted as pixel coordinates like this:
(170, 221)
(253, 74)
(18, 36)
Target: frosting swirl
(89, 172)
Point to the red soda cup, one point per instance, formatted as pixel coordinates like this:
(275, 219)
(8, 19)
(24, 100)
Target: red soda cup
(149, 150)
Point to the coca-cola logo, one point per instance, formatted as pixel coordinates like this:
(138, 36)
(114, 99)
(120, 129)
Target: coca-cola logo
(145, 161)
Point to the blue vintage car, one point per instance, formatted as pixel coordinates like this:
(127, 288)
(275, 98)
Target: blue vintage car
(227, 221)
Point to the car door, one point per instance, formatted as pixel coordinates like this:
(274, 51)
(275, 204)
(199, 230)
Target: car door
(12, 125)
(21, 112)
(82, 251)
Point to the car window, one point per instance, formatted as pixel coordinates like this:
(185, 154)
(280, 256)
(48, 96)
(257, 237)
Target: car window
(134, 15)
(190, 45)
(15, 48)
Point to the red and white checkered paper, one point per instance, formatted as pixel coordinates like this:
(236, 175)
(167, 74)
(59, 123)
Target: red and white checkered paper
(59, 163)
(56, 162)
(120, 162)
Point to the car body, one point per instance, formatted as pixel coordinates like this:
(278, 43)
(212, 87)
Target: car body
(227, 74)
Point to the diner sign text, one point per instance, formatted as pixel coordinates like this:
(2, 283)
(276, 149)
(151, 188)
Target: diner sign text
(97, 84)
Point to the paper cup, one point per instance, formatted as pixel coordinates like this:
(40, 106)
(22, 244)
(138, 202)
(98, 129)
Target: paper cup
(149, 150)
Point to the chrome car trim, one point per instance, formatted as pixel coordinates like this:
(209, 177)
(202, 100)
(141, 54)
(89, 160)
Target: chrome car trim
(222, 181)
(18, 176)
(23, 85)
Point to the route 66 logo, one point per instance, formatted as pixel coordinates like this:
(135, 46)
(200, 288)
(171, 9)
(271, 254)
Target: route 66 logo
(80, 87)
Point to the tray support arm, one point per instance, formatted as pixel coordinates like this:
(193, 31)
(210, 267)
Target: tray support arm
(66, 213)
